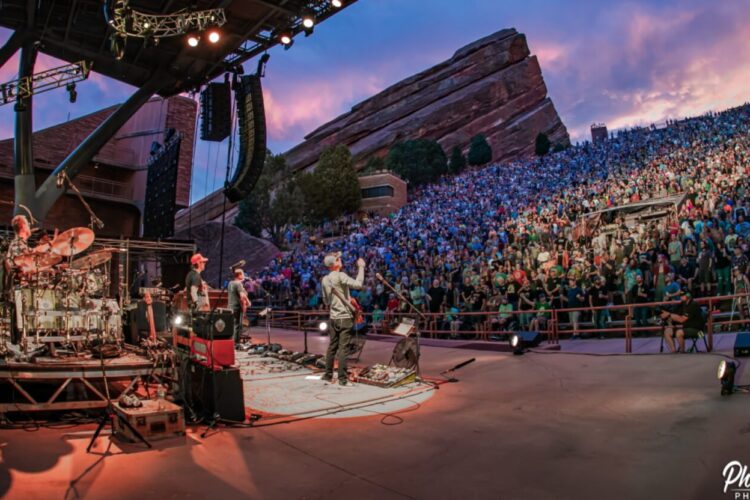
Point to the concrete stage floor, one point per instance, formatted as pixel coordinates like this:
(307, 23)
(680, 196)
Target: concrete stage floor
(545, 426)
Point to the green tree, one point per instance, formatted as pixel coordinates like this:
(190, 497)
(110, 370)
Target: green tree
(418, 161)
(542, 144)
(558, 147)
(480, 151)
(254, 210)
(374, 164)
(332, 189)
(457, 162)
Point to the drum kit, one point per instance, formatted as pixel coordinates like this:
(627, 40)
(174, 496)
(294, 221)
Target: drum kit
(63, 296)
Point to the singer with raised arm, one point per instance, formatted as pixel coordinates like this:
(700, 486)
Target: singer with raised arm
(341, 314)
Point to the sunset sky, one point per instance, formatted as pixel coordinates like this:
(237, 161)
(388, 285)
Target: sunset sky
(622, 63)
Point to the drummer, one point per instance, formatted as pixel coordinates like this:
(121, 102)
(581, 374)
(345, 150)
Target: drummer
(20, 243)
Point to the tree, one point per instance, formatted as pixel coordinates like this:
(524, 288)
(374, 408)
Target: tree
(558, 147)
(480, 151)
(542, 144)
(457, 162)
(418, 161)
(374, 164)
(254, 210)
(332, 189)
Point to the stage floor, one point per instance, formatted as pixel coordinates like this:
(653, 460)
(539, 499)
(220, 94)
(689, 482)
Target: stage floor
(551, 425)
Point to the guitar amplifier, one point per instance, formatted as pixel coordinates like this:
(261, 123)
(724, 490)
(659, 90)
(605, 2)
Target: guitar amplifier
(742, 345)
(217, 324)
(210, 391)
(213, 354)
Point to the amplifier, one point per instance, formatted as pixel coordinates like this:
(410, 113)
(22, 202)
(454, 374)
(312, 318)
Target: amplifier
(742, 345)
(216, 354)
(181, 338)
(216, 324)
(227, 400)
(156, 419)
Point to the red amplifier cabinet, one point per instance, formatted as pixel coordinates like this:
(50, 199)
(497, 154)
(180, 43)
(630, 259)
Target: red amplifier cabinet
(216, 354)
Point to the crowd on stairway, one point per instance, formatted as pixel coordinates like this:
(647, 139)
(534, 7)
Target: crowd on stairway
(559, 231)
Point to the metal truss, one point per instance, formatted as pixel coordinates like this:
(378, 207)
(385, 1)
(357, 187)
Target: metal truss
(131, 23)
(37, 83)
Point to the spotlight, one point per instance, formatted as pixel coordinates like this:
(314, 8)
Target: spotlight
(214, 36)
(337, 3)
(72, 94)
(522, 341)
(725, 374)
(308, 20)
(323, 326)
(193, 40)
(285, 38)
(146, 25)
(178, 320)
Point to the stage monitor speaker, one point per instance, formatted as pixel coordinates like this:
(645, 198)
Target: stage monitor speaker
(228, 401)
(216, 112)
(214, 325)
(252, 138)
(742, 345)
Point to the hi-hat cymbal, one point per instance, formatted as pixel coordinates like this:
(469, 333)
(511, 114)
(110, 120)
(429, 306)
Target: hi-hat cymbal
(93, 259)
(73, 241)
(31, 262)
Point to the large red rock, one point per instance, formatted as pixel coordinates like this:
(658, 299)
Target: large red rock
(493, 86)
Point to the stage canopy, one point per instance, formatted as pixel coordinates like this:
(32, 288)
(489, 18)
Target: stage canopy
(75, 30)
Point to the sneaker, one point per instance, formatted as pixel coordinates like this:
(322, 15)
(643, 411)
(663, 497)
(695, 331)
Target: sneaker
(575, 337)
(327, 378)
(343, 382)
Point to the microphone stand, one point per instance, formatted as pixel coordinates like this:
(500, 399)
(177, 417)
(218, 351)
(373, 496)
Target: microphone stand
(413, 308)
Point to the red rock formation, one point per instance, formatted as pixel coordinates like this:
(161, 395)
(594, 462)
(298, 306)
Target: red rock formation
(492, 86)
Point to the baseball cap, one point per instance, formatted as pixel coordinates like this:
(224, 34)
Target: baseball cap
(330, 259)
(196, 258)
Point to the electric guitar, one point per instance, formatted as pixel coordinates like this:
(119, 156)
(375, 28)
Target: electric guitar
(150, 316)
(353, 306)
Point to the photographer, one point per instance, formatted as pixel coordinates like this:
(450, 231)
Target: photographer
(689, 321)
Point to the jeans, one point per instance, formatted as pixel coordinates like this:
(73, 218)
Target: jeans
(338, 347)
(641, 316)
(237, 314)
(722, 278)
(600, 317)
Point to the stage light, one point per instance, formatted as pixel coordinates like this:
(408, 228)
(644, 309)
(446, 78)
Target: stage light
(522, 341)
(725, 374)
(214, 36)
(178, 320)
(308, 20)
(323, 326)
(72, 94)
(337, 3)
(146, 25)
(285, 39)
(193, 40)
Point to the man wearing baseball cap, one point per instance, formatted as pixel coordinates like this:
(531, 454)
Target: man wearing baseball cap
(688, 319)
(197, 293)
(342, 316)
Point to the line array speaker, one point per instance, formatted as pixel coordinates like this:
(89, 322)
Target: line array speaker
(216, 111)
(252, 138)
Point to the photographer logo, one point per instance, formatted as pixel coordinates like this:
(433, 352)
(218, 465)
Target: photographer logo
(737, 480)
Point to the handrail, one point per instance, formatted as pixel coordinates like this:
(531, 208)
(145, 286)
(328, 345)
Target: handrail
(484, 326)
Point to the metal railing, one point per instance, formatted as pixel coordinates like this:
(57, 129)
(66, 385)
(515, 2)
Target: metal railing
(98, 186)
(487, 326)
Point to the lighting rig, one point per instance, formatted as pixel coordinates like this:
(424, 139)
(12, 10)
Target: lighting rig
(62, 76)
(129, 23)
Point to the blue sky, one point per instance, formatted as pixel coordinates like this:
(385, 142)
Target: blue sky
(622, 63)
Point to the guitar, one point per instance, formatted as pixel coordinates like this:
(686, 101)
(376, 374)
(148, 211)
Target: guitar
(150, 316)
(353, 306)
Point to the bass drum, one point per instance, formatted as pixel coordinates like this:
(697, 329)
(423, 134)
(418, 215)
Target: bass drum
(37, 309)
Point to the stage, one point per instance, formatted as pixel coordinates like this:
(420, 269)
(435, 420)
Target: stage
(551, 425)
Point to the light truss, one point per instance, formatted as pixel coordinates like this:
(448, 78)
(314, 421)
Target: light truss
(37, 83)
(131, 23)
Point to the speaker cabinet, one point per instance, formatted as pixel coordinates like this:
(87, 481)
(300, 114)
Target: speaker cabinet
(252, 138)
(216, 391)
(216, 119)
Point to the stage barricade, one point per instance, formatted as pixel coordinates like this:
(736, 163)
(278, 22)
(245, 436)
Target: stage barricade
(722, 313)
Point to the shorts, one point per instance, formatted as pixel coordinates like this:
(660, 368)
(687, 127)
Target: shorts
(691, 332)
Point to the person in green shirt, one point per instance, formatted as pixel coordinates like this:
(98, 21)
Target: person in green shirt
(541, 306)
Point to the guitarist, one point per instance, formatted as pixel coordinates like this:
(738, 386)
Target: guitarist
(342, 317)
(196, 288)
(238, 301)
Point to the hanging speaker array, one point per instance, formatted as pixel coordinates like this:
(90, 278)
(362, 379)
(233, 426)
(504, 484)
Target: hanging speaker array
(251, 136)
(216, 112)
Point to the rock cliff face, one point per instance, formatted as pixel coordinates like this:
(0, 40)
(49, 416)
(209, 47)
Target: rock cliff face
(493, 86)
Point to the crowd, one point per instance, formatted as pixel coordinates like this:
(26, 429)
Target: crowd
(531, 235)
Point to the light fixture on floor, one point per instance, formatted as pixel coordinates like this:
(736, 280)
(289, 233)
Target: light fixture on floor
(725, 374)
(520, 342)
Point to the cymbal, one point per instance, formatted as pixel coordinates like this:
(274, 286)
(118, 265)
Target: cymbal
(31, 262)
(73, 241)
(93, 259)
